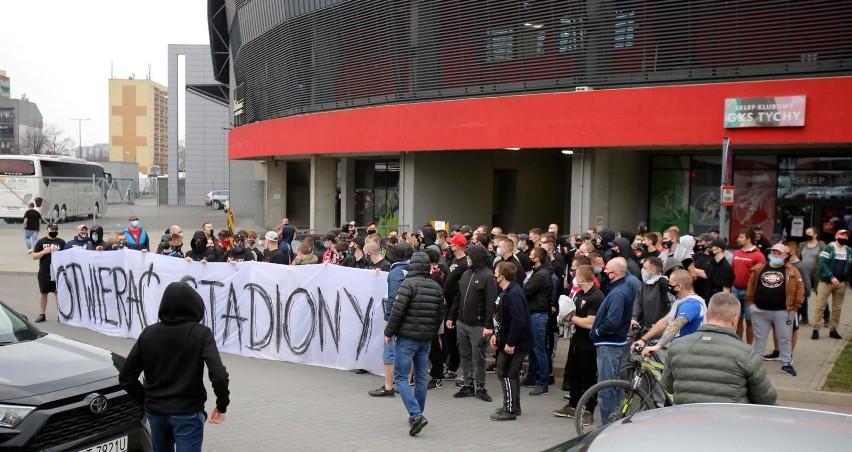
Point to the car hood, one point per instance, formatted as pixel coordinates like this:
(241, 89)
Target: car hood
(37, 369)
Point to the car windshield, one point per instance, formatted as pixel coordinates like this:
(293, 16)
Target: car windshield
(14, 329)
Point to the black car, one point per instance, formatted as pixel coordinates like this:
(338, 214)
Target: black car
(58, 394)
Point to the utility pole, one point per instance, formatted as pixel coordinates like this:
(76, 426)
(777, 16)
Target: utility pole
(80, 134)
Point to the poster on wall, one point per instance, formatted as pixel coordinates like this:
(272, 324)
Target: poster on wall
(755, 201)
(779, 111)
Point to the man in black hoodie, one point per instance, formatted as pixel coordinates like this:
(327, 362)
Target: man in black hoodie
(473, 309)
(198, 249)
(537, 290)
(172, 354)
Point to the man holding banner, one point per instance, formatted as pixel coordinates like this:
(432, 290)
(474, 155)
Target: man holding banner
(414, 321)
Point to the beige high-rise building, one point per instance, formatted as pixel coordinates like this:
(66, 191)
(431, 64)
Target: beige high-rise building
(139, 124)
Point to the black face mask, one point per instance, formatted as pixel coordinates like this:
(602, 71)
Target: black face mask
(371, 231)
(698, 248)
(667, 244)
(52, 234)
(843, 242)
(239, 247)
(672, 289)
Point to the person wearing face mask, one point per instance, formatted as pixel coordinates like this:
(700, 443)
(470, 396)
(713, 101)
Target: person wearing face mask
(582, 373)
(98, 242)
(601, 275)
(81, 241)
(714, 365)
(356, 258)
(835, 271)
(373, 257)
(198, 249)
(687, 313)
(44, 247)
(137, 237)
(120, 242)
(774, 296)
(720, 276)
(809, 254)
(505, 253)
(653, 299)
(511, 339)
(240, 252)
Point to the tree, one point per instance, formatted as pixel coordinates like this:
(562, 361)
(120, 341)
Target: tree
(50, 140)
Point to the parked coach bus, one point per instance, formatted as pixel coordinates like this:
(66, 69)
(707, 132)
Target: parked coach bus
(64, 183)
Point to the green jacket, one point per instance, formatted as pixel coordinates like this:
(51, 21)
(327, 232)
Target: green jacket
(713, 365)
(826, 263)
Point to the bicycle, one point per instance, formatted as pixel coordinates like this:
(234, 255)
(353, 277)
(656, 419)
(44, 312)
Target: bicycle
(640, 375)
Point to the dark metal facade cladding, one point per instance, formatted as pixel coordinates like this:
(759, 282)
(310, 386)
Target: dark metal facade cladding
(300, 57)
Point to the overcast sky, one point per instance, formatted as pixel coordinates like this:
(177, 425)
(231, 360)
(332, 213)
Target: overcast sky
(59, 52)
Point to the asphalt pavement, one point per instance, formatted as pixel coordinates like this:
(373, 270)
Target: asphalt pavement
(279, 405)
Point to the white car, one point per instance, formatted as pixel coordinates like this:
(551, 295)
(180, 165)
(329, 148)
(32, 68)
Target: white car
(217, 198)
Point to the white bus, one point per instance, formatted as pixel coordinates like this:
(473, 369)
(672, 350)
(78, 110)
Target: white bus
(63, 183)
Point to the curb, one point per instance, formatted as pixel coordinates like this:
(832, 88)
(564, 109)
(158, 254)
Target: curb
(17, 273)
(819, 397)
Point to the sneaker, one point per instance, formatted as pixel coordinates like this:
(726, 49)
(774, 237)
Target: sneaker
(360, 371)
(417, 425)
(381, 392)
(529, 384)
(482, 394)
(40, 318)
(588, 418)
(459, 382)
(774, 356)
(465, 391)
(29, 251)
(566, 397)
(804, 322)
(539, 390)
(788, 369)
(565, 411)
(449, 375)
(815, 335)
(435, 384)
(502, 415)
(492, 369)
(834, 334)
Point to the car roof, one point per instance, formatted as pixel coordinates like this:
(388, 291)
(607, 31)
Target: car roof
(718, 426)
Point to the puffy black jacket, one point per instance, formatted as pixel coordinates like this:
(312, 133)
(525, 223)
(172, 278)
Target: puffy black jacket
(474, 302)
(417, 309)
(538, 289)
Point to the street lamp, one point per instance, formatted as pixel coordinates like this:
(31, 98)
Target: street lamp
(80, 134)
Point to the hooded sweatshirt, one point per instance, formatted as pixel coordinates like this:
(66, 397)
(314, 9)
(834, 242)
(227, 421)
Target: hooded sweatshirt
(173, 353)
(98, 232)
(286, 242)
(429, 236)
(198, 249)
(473, 304)
(625, 251)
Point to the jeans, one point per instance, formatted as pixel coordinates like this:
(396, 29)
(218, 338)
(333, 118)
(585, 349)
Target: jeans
(472, 350)
(406, 353)
(30, 239)
(539, 359)
(609, 360)
(387, 351)
(181, 432)
(745, 314)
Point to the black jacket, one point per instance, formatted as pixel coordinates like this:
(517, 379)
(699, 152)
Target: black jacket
(198, 249)
(512, 324)
(538, 289)
(416, 311)
(172, 353)
(473, 304)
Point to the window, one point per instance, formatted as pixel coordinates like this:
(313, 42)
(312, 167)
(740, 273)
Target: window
(572, 35)
(500, 45)
(624, 28)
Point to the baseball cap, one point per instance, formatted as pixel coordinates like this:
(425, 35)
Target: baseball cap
(757, 227)
(458, 240)
(843, 233)
(706, 237)
(52, 226)
(716, 230)
(330, 237)
(456, 227)
(239, 237)
(82, 226)
(358, 240)
(718, 243)
(166, 238)
(586, 236)
(133, 218)
(271, 236)
(780, 247)
(466, 229)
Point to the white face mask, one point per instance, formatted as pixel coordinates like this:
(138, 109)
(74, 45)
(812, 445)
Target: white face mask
(648, 278)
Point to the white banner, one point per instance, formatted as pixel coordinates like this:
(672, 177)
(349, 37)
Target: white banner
(323, 315)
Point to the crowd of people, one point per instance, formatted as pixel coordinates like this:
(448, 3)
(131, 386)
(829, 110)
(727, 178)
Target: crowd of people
(460, 297)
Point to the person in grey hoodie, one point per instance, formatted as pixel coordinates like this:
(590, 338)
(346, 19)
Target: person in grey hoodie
(623, 249)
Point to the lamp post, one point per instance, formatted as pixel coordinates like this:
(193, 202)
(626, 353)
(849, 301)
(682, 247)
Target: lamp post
(80, 134)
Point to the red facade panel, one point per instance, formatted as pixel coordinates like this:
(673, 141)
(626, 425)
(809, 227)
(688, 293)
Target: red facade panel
(661, 116)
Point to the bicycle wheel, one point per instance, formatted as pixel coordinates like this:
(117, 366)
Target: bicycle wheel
(630, 401)
(646, 382)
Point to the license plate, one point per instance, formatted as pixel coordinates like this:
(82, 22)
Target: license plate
(113, 445)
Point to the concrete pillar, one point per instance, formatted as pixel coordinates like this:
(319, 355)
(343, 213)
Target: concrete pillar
(347, 190)
(406, 191)
(581, 193)
(276, 191)
(323, 192)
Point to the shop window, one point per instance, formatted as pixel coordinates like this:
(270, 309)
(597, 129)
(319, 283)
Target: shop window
(669, 193)
(815, 178)
(754, 201)
(705, 178)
